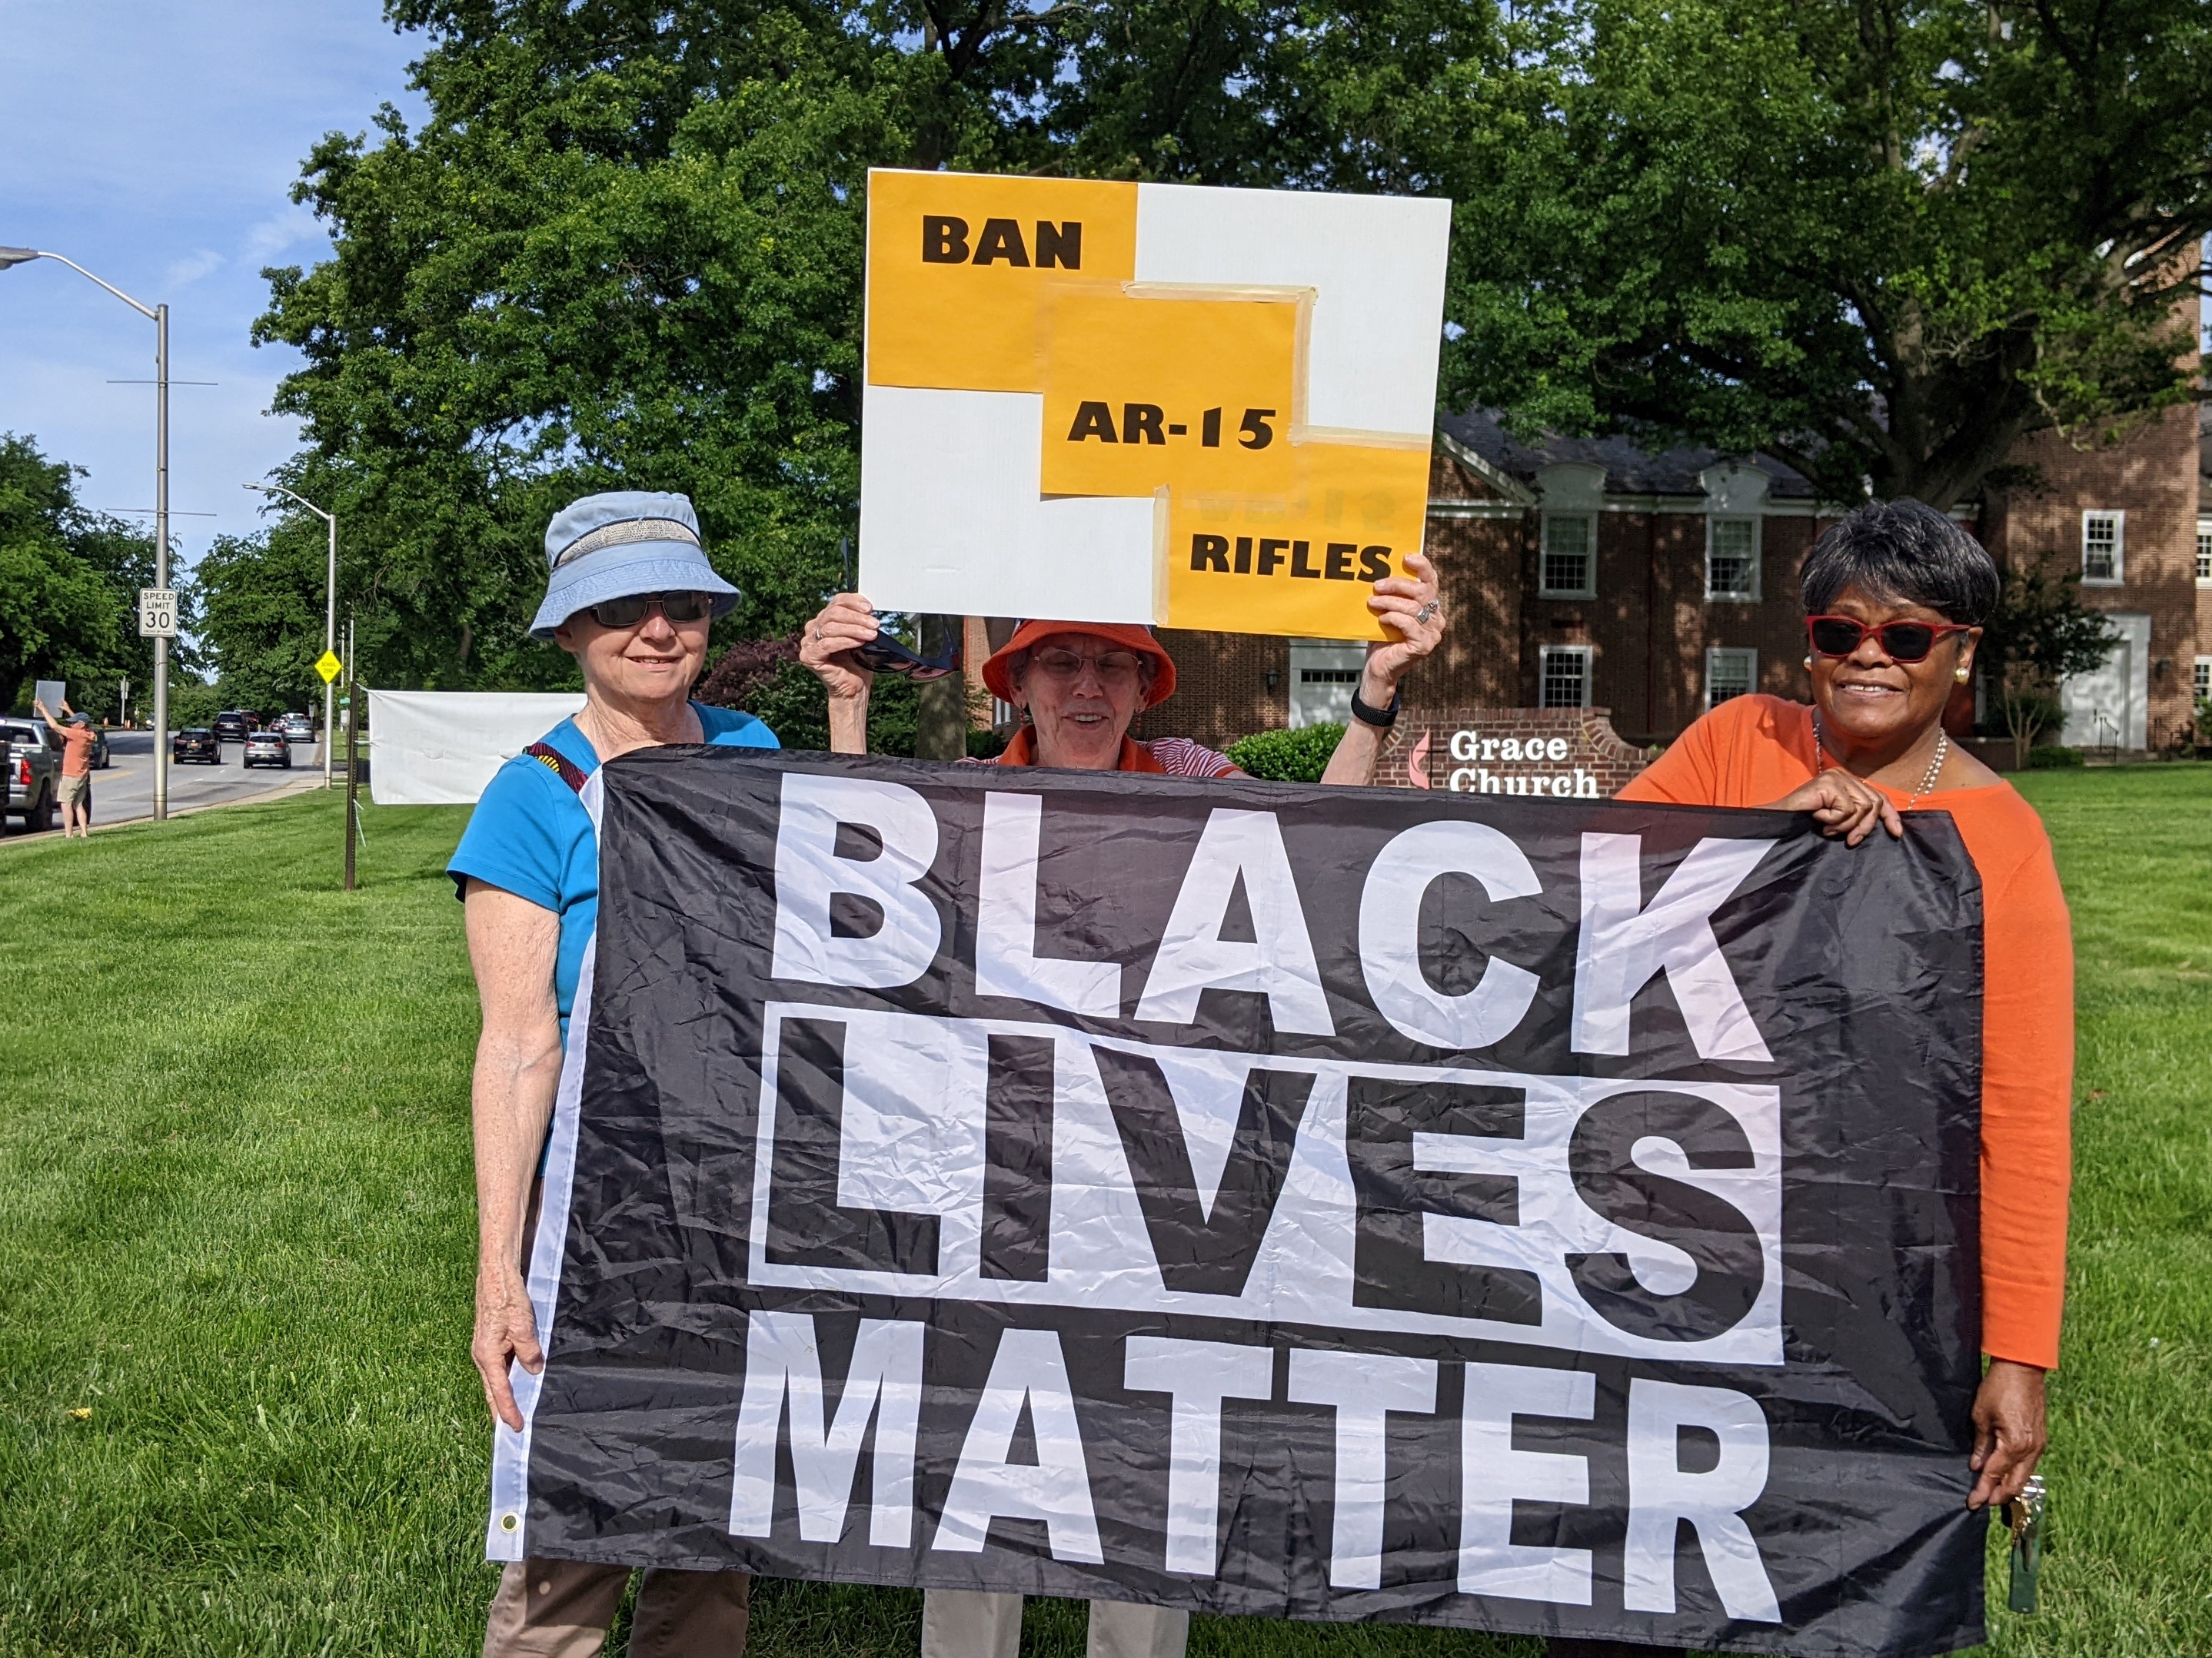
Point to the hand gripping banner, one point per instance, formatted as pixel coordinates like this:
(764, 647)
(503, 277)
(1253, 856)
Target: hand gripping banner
(1540, 1216)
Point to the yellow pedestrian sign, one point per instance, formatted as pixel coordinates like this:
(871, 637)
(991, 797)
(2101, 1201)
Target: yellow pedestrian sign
(328, 665)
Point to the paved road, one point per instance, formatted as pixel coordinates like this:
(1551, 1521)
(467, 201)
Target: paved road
(125, 790)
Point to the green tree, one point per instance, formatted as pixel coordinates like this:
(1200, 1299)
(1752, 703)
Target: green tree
(1880, 238)
(69, 587)
(2041, 634)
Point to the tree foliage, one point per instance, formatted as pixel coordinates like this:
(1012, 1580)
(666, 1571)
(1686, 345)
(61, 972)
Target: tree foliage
(69, 587)
(2040, 634)
(1880, 238)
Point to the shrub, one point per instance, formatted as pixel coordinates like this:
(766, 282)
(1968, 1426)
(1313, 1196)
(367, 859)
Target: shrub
(1287, 756)
(2050, 756)
(765, 679)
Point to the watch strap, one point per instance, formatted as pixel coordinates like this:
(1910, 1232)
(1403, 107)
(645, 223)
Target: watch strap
(1367, 714)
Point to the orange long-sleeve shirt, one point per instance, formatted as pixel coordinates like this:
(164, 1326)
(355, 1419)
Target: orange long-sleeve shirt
(1750, 751)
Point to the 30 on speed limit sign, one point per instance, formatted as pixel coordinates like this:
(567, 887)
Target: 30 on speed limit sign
(157, 612)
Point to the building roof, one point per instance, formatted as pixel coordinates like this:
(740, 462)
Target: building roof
(1629, 471)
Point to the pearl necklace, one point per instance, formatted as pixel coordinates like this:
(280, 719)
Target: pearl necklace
(1928, 782)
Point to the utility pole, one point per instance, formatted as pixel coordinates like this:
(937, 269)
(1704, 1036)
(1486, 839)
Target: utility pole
(159, 316)
(353, 739)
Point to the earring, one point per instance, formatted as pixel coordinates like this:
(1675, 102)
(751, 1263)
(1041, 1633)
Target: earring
(1808, 665)
(1962, 674)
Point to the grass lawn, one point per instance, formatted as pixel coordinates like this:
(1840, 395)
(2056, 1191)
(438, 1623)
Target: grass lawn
(236, 1245)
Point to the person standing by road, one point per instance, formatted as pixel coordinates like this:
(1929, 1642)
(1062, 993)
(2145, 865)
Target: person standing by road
(77, 739)
(630, 596)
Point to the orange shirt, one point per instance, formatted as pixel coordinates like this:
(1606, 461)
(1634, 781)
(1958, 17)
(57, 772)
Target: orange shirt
(1750, 751)
(77, 751)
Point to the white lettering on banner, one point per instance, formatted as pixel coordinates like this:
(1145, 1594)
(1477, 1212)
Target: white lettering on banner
(1006, 962)
(1390, 934)
(1028, 1369)
(1197, 1375)
(1625, 944)
(911, 1141)
(884, 1380)
(812, 874)
(1494, 1474)
(1362, 1389)
(1246, 848)
(1661, 1493)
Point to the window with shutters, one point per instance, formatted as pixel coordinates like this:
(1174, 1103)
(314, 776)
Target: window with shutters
(2204, 552)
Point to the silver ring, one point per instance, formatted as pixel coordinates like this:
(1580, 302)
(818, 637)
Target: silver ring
(1428, 610)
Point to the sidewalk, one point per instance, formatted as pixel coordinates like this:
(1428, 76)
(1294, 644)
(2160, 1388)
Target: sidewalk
(293, 786)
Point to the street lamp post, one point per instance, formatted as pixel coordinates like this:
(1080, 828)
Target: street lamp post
(330, 616)
(159, 316)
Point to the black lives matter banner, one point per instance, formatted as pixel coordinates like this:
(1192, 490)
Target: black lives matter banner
(1554, 1217)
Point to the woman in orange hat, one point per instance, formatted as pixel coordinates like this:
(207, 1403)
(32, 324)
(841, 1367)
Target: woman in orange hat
(1080, 683)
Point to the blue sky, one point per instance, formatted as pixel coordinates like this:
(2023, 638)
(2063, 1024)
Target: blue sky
(155, 143)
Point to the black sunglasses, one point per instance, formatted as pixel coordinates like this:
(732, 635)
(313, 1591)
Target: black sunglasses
(629, 610)
(883, 654)
(1901, 641)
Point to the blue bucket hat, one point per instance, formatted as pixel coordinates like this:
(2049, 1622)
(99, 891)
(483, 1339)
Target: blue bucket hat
(625, 542)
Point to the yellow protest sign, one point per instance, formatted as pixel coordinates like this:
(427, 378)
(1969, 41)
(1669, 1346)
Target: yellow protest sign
(1202, 408)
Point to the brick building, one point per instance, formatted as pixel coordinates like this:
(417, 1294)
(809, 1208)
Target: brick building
(1587, 572)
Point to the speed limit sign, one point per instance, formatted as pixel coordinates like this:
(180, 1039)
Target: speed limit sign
(157, 612)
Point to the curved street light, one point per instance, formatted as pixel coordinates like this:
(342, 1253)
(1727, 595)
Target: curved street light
(330, 617)
(159, 316)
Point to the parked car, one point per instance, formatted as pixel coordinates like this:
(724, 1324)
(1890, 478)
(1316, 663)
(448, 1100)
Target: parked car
(268, 748)
(196, 743)
(297, 728)
(33, 770)
(231, 724)
(101, 759)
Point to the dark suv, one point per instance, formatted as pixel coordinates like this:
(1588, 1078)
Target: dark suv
(231, 724)
(196, 743)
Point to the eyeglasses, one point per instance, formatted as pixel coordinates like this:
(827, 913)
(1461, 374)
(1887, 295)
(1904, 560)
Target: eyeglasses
(629, 610)
(1113, 667)
(1901, 641)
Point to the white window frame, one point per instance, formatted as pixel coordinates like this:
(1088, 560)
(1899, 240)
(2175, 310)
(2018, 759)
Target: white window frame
(2119, 522)
(1588, 587)
(2200, 679)
(1750, 596)
(2204, 552)
(1587, 654)
(1742, 657)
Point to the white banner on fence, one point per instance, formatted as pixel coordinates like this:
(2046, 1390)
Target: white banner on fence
(441, 748)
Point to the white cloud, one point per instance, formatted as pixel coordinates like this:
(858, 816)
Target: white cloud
(280, 230)
(182, 273)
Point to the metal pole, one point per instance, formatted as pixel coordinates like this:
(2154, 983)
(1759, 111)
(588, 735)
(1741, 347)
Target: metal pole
(353, 734)
(330, 687)
(160, 556)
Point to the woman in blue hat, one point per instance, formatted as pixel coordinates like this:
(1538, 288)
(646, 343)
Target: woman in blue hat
(631, 596)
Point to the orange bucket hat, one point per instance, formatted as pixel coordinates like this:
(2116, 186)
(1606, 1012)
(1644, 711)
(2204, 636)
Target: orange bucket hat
(998, 672)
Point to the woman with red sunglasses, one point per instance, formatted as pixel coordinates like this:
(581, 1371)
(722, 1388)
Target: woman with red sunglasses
(1895, 596)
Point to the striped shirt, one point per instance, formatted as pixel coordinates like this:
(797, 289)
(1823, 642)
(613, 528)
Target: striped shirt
(1177, 756)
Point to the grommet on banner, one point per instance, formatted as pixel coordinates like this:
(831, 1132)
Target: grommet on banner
(510, 1521)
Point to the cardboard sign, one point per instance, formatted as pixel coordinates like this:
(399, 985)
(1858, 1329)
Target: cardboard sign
(1199, 408)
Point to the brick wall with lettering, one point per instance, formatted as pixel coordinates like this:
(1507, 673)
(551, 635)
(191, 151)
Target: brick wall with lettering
(1558, 753)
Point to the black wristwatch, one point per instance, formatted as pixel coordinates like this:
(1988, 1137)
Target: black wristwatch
(1381, 719)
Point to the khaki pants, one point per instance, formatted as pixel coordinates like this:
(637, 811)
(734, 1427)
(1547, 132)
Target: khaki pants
(976, 1624)
(562, 1608)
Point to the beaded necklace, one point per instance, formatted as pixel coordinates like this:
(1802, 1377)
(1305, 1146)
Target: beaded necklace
(1928, 782)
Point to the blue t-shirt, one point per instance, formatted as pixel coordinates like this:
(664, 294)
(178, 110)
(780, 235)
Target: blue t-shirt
(530, 836)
